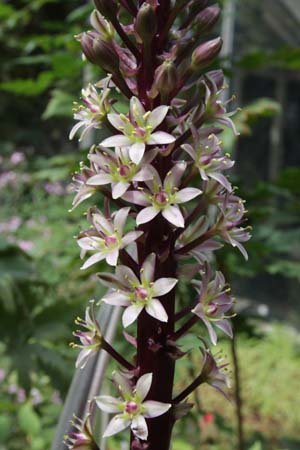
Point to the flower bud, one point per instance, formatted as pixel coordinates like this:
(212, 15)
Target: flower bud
(165, 79)
(197, 6)
(108, 8)
(207, 18)
(99, 52)
(204, 55)
(146, 23)
(100, 24)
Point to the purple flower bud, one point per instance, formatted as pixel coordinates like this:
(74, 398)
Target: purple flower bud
(207, 18)
(107, 8)
(99, 52)
(204, 55)
(165, 79)
(146, 23)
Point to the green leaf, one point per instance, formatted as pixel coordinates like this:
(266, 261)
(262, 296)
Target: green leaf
(60, 105)
(28, 86)
(5, 427)
(28, 420)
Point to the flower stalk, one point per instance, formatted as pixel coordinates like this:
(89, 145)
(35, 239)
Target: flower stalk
(168, 204)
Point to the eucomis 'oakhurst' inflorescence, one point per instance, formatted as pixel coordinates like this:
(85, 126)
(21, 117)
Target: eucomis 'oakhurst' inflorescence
(162, 166)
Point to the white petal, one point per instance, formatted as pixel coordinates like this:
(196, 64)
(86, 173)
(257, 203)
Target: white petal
(155, 409)
(148, 268)
(119, 189)
(126, 275)
(116, 425)
(119, 140)
(87, 243)
(136, 152)
(131, 237)
(107, 403)
(116, 299)
(115, 120)
(173, 178)
(136, 197)
(173, 215)
(112, 257)
(187, 194)
(102, 224)
(145, 173)
(75, 129)
(160, 137)
(163, 285)
(131, 314)
(139, 427)
(143, 386)
(99, 179)
(120, 219)
(155, 309)
(157, 116)
(146, 215)
(83, 358)
(93, 260)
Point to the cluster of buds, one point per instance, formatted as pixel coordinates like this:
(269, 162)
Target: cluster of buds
(168, 204)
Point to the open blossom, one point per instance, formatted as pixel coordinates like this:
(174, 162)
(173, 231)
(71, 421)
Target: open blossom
(117, 169)
(131, 408)
(138, 129)
(232, 213)
(94, 111)
(213, 303)
(90, 340)
(213, 372)
(80, 186)
(209, 159)
(163, 197)
(82, 436)
(106, 239)
(137, 294)
(212, 85)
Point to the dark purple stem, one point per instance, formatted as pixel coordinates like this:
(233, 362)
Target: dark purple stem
(186, 327)
(116, 355)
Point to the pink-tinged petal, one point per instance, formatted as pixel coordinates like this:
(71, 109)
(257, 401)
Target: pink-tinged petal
(109, 280)
(97, 257)
(212, 334)
(139, 427)
(145, 173)
(160, 137)
(126, 276)
(112, 257)
(87, 243)
(120, 219)
(157, 116)
(155, 409)
(102, 224)
(122, 383)
(222, 180)
(150, 155)
(75, 129)
(163, 285)
(116, 299)
(225, 326)
(173, 178)
(155, 309)
(131, 237)
(131, 314)
(119, 189)
(187, 194)
(119, 140)
(146, 215)
(136, 108)
(143, 386)
(108, 404)
(115, 120)
(148, 268)
(189, 149)
(136, 152)
(173, 215)
(99, 179)
(83, 358)
(117, 424)
(81, 196)
(136, 197)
